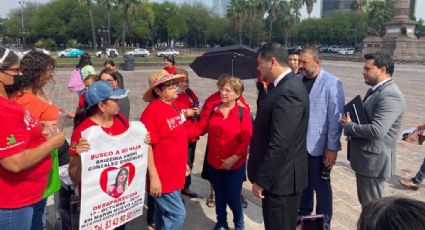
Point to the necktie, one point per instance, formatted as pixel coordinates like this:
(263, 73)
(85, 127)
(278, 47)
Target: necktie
(270, 87)
(368, 93)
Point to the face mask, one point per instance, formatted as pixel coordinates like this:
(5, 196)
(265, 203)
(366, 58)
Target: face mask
(180, 90)
(19, 81)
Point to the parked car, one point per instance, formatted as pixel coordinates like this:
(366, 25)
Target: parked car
(167, 52)
(138, 52)
(110, 52)
(334, 49)
(346, 51)
(294, 48)
(38, 50)
(71, 52)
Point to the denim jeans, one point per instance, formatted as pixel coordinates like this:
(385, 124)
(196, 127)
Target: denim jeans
(227, 186)
(169, 211)
(420, 175)
(29, 217)
(323, 190)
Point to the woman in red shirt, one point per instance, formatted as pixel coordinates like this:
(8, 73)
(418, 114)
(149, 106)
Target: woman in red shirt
(25, 160)
(229, 132)
(102, 109)
(211, 102)
(169, 64)
(165, 123)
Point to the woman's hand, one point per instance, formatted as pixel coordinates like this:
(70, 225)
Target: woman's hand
(82, 146)
(187, 170)
(191, 112)
(229, 162)
(155, 187)
(58, 139)
(148, 138)
(49, 129)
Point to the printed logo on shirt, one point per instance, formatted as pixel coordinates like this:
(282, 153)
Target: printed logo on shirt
(30, 122)
(11, 140)
(73, 145)
(174, 122)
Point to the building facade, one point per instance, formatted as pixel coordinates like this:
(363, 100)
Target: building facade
(330, 6)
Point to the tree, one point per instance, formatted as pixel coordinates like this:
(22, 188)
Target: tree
(109, 4)
(259, 12)
(309, 5)
(237, 13)
(197, 19)
(289, 16)
(89, 5)
(126, 6)
(139, 29)
(378, 13)
(12, 25)
(271, 8)
(420, 28)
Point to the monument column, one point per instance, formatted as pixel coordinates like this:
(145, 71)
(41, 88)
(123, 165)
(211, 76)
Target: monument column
(399, 40)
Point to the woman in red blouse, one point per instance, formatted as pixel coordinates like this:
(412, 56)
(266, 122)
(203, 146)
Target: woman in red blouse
(229, 132)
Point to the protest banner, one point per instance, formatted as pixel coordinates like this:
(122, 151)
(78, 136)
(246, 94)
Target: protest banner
(113, 177)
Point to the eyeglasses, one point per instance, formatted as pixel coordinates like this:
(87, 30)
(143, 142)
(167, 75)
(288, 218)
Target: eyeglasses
(167, 85)
(16, 70)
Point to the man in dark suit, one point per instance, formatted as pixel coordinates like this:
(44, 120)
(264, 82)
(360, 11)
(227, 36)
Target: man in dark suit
(277, 165)
(372, 145)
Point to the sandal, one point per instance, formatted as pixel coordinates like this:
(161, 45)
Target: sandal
(211, 201)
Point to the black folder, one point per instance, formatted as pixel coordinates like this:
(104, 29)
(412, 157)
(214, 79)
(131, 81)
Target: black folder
(356, 110)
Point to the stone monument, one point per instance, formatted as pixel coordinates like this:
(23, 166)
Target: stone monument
(399, 40)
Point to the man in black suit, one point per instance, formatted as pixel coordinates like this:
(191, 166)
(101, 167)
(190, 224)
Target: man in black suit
(277, 164)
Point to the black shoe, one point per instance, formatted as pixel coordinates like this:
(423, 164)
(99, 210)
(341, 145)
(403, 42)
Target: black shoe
(299, 220)
(189, 193)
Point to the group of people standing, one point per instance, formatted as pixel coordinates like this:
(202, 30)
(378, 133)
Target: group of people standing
(293, 142)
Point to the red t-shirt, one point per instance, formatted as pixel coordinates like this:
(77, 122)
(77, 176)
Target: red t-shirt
(81, 99)
(227, 136)
(38, 108)
(20, 131)
(170, 69)
(118, 126)
(169, 143)
(184, 101)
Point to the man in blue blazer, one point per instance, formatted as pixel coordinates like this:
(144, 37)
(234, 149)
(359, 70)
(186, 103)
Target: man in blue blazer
(324, 131)
(373, 145)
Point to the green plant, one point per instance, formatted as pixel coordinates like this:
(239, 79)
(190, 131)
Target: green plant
(73, 43)
(46, 43)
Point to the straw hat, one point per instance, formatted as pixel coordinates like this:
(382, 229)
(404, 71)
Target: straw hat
(157, 78)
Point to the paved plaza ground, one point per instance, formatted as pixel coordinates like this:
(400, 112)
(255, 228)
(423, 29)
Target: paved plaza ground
(410, 78)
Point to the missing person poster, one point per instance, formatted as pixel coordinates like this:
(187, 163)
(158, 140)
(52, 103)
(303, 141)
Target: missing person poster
(113, 177)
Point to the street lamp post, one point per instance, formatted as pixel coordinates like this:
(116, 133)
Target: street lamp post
(168, 21)
(22, 23)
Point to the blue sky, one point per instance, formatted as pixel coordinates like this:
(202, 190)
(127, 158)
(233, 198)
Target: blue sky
(7, 5)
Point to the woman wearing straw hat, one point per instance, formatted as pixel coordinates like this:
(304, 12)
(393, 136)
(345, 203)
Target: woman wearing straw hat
(165, 123)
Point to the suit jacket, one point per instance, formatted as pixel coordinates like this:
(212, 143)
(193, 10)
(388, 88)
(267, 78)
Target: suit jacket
(278, 159)
(326, 109)
(373, 145)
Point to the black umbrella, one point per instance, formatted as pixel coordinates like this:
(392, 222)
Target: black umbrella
(237, 60)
